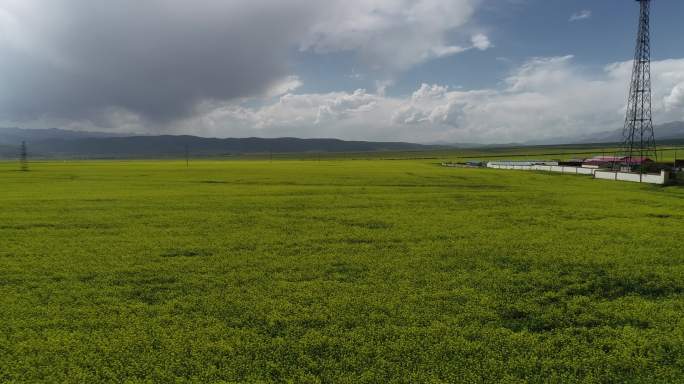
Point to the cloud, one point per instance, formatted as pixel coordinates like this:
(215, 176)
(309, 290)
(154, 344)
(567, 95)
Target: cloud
(675, 100)
(286, 85)
(543, 98)
(222, 68)
(389, 35)
(481, 42)
(581, 15)
(159, 60)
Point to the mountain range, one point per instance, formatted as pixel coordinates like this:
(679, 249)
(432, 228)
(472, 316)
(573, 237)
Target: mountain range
(62, 143)
(59, 143)
(663, 132)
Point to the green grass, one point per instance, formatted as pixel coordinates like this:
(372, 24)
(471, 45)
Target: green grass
(336, 272)
(666, 153)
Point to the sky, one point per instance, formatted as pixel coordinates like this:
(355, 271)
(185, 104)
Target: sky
(428, 71)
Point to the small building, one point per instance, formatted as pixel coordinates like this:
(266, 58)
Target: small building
(475, 163)
(602, 161)
(637, 160)
(679, 165)
(525, 163)
(572, 162)
(638, 164)
(611, 161)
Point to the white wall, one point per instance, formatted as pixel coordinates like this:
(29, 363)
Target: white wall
(657, 179)
(605, 175)
(633, 177)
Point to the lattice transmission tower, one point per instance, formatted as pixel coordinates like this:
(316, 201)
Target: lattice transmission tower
(638, 136)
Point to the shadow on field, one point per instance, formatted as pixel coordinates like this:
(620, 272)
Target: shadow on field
(580, 296)
(187, 252)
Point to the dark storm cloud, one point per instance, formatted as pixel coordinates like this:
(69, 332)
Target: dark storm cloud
(157, 58)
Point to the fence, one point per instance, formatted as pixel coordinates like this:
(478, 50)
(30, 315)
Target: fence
(662, 178)
(633, 177)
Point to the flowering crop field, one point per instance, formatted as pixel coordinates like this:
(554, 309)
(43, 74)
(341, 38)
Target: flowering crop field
(364, 271)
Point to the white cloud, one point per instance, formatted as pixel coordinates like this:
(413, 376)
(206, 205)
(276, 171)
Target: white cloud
(675, 100)
(581, 15)
(389, 35)
(481, 42)
(286, 85)
(441, 51)
(543, 98)
(161, 59)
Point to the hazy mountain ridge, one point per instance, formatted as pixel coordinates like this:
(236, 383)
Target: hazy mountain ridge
(54, 143)
(667, 131)
(63, 143)
(14, 136)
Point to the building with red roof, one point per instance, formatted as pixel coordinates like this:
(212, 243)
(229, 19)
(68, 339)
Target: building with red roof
(609, 161)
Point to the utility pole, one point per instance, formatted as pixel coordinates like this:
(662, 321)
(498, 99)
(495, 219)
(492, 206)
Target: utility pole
(187, 156)
(23, 157)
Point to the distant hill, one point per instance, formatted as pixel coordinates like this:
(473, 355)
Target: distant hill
(14, 136)
(667, 131)
(61, 143)
(8, 151)
(54, 143)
